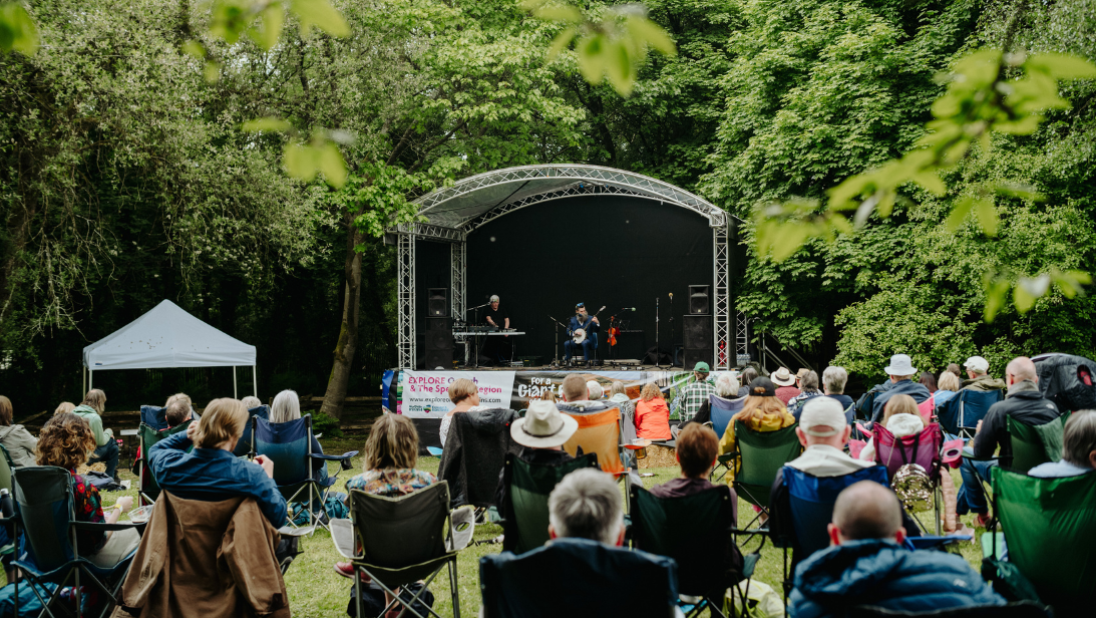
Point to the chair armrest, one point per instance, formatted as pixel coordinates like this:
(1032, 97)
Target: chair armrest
(104, 527)
(462, 527)
(342, 535)
(727, 457)
(346, 455)
(749, 563)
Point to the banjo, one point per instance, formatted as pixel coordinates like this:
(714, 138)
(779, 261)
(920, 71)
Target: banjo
(580, 333)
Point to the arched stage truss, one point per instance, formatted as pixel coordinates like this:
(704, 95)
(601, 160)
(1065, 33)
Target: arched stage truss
(453, 212)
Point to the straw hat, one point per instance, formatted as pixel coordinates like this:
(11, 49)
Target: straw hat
(543, 426)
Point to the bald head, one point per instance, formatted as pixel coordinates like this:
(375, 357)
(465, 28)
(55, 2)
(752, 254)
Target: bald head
(866, 510)
(1020, 369)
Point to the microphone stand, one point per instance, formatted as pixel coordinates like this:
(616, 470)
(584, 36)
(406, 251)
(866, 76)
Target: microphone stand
(475, 338)
(658, 354)
(557, 324)
(673, 346)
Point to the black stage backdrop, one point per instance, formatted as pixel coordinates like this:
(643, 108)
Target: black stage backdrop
(616, 251)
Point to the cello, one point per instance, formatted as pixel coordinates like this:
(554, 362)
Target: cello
(612, 332)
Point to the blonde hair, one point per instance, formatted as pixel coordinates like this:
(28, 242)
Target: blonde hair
(96, 400)
(650, 391)
(757, 408)
(6, 411)
(948, 382)
(251, 401)
(462, 389)
(392, 443)
(617, 388)
(65, 406)
(183, 397)
(286, 407)
(222, 420)
(899, 404)
(65, 441)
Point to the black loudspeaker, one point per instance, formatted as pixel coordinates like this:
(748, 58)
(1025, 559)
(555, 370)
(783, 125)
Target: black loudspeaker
(698, 340)
(698, 299)
(437, 302)
(439, 343)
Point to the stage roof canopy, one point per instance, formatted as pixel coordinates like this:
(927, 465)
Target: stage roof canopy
(167, 336)
(472, 202)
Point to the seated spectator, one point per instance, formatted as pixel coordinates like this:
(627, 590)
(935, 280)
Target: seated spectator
(901, 418)
(106, 449)
(901, 372)
(947, 388)
(176, 412)
(251, 402)
(697, 453)
(1078, 449)
(541, 433)
(65, 441)
(928, 381)
(575, 393)
(184, 400)
(763, 411)
(868, 565)
(391, 452)
(726, 387)
(833, 386)
(587, 505)
(954, 368)
(19, 442)
(809, 387)
(65, 406)
(652, 414)
(595, 390)
(465, 395)
(688, 402)
(287, 407)
(1025, 404)
(749, 374)
(617, 393)
(785, 383)
(978, 376)
(211, 472)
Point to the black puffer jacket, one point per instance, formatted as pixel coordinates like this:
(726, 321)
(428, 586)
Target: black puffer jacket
(475, 452)
(1026, 405)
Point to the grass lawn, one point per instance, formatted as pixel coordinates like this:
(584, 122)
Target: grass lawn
(316, 590)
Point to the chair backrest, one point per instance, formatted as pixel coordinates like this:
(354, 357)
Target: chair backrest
(7, 469)
(245, 445)
(1033, 445)
(473, 462)
(761, 455)
(812, 499)
(628, 422)
(693, 530)
(922, 449)
(865, 406)
(964, 410)
(43, 498)
(148, 437)
(154, 416)
(526, 524)
(1022, 609)
(1050, 530)
(578, 577)
(288, 445)
(722, 410)
(401, 531)
(598, 432)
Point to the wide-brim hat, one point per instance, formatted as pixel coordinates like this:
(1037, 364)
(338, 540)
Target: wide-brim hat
(900, 365)
(543, 426)
(782, 377)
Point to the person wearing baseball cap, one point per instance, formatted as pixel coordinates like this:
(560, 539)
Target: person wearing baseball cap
(901, 372)
(541, 434)
(979, 378)
(696, 393)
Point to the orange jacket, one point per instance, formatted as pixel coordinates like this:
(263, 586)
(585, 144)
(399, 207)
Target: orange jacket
(653, 419)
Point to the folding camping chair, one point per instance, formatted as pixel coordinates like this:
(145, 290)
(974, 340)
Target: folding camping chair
(722, 410)
(525, 518)
(44, 503)
(245, 446)
(1022, 609)
(1033, 444)
(697, 532)
(922, 449)
(148, 489)
(578, 577)
(404, 539)
(599, 432)
(1050, 529)
(757, 457)
(156, 417)
(289, 446)
(471, 464)
(959, 416)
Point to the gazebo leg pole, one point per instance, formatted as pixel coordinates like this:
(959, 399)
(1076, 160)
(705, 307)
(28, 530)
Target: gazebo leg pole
(91, 379)
(235, 395)
(254, 382)
(84, 375)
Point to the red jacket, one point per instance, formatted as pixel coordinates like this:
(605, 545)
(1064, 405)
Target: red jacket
(653, 419)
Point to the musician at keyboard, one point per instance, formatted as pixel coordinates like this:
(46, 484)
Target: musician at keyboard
(582, 333)
(497, 349)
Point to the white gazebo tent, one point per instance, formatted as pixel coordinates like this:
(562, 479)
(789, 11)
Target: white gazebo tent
(168, 337)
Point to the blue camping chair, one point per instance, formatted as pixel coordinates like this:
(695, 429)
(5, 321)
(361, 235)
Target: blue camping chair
(156, 417)
(579, 578)
(959, 416)
(245, 446)
(44, 507)
(289, 446)
(721, 412)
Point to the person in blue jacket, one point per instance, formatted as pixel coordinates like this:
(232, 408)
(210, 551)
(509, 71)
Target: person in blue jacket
(867, 564)
(211, 472)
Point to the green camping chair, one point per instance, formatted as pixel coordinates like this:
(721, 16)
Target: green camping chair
(148, 436)
(758, 456)
(525, 518)
(1050, 529)
(1033, 444)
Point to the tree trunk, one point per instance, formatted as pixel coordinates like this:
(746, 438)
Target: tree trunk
(348, 333)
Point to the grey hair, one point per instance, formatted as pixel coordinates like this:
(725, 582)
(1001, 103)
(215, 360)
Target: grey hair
(587, 504)
(834, 379)
(726, 385)
(596, 391)
(617, 389)
(251, 402)
(1080, 437)
(809, 383)
(286, 407)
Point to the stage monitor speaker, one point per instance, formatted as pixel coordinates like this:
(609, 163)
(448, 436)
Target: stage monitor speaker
(698, 340)
(439, 343)
(437, 302)
(698, 299)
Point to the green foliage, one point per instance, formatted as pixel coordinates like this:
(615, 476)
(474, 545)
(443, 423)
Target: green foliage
(17, 29)
(324, 424)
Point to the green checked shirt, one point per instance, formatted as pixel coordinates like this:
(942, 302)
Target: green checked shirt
(693, 397)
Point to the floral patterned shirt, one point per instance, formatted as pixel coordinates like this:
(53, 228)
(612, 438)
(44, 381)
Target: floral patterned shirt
(391, 481)
(88, 506)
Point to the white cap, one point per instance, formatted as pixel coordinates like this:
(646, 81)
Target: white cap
(822, 412)
(977, 364)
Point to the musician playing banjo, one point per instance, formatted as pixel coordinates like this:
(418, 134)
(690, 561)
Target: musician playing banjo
(582, 332)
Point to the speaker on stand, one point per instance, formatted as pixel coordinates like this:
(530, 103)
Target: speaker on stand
(699, 303)
(439, 343)
(698, 340)
(437, 302)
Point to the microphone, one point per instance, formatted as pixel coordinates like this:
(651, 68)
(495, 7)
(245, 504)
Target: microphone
(671, 295)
